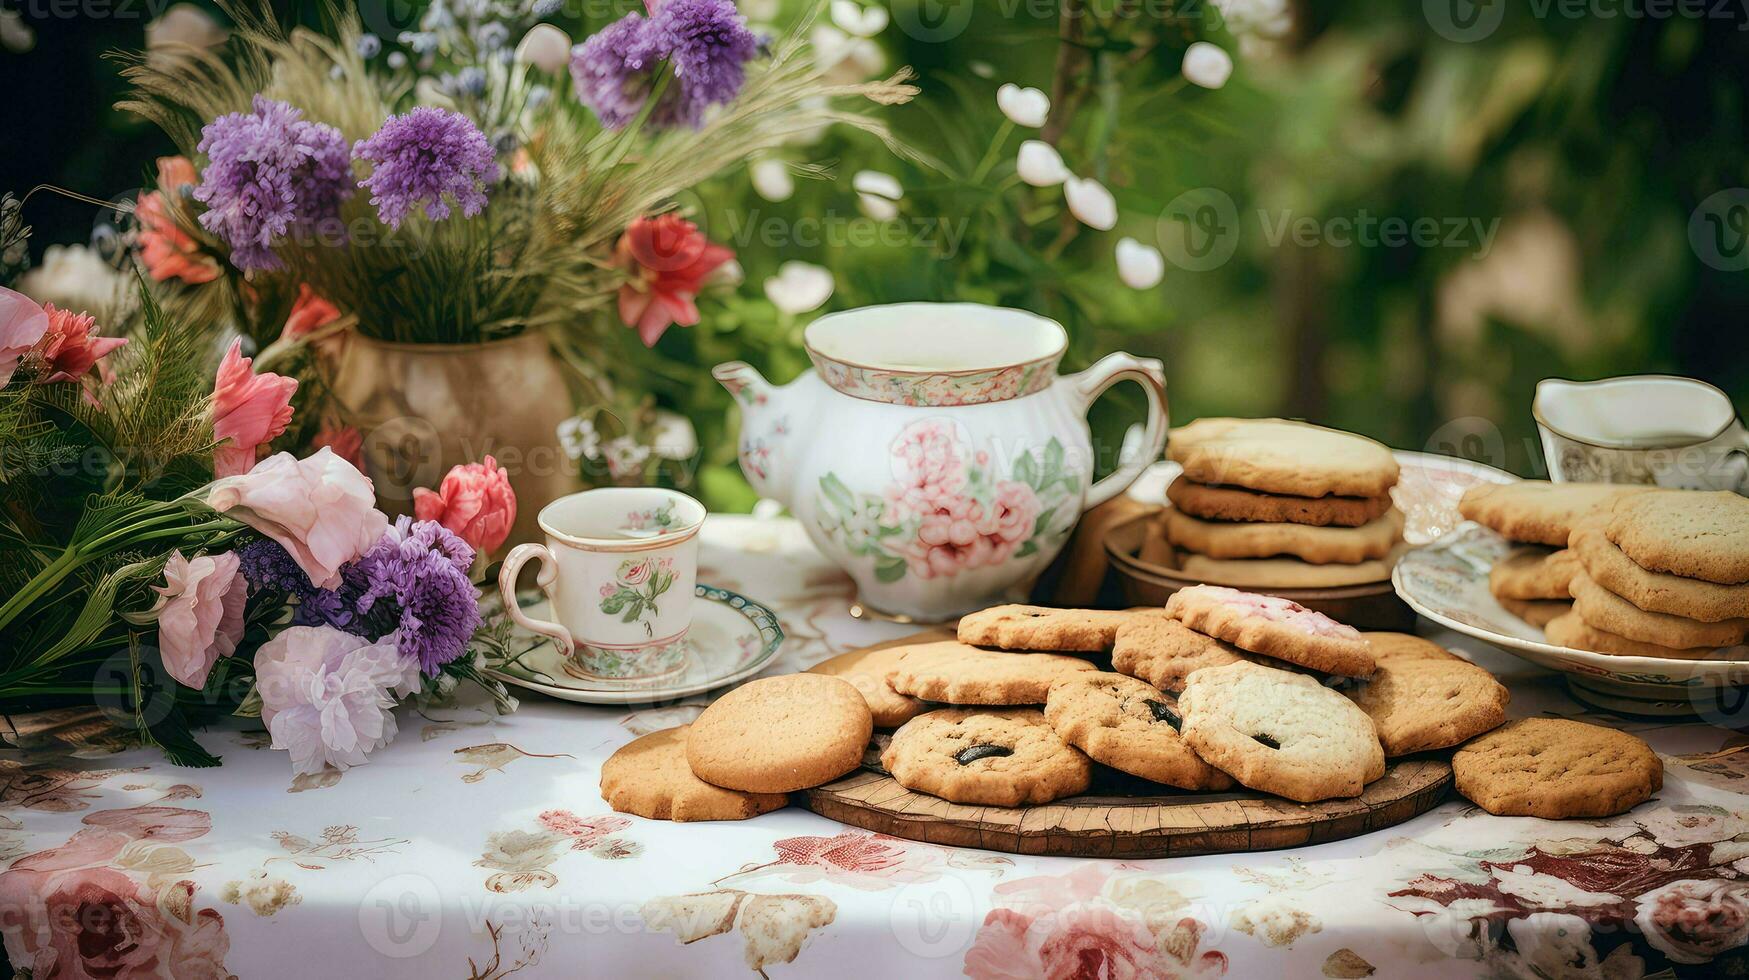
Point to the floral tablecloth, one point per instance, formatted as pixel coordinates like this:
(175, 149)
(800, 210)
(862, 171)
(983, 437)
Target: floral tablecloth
(477, 846)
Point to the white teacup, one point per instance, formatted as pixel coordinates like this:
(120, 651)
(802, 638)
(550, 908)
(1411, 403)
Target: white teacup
(619, 566)
(1650, 429)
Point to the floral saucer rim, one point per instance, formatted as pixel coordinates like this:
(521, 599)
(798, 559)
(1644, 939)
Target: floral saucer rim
(751, 619)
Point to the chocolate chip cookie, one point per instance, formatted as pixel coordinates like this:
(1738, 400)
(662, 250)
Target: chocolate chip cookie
(988, 756)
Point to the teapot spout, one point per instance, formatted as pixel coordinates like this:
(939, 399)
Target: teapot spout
(764, 429)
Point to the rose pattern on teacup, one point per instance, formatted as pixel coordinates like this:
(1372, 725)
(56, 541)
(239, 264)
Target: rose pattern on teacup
(658, 519)
(947, 510)
(635, 588)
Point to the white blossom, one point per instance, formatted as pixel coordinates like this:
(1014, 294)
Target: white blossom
(1139, 266)
(858, 20)
(771, 179)
(799, 287)
(185, 23)
(843, 59)
(1091, 203)
(578, 438)
(625, 456)
(878, 193)
(1023, 106)
(1040, 165)
(74, 277)
(1207, 65)
(546, 47)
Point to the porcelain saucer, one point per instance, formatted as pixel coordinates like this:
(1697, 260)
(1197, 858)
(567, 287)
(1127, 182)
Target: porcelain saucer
(732, 638)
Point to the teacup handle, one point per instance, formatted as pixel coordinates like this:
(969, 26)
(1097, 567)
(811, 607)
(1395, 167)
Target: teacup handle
(1091, 383)
(548, 573)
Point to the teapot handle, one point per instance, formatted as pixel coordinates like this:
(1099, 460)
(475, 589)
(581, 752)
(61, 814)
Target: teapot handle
(1091, 383)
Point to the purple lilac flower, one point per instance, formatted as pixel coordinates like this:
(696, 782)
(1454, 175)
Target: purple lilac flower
(709, 45)
(269, 172)
(419, 570)
(424, 156)
(612, 69)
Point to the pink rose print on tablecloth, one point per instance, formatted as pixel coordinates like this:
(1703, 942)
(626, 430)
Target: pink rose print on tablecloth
(1695, 921)
(948, 509)
(865, 861)
(71, 911)
(1096, 921)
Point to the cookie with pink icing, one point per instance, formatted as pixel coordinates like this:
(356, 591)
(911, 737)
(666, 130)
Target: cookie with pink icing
(1274, 627)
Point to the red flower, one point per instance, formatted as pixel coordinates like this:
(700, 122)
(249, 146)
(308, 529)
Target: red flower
(668, 259)
(849, 851)
(168, 251)
(474, 500)
(249, 411)
(71, 347)
(346, 441)
(309, 312)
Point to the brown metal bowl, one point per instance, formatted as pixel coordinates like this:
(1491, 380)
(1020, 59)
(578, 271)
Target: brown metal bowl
(1371, 606)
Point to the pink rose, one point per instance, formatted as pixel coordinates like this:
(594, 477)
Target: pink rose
(200, 614)
(475, 501)
(249, 411)
(22, 324)
(326, 695)
(1693, 921)
(320, 509)
(100, 923)
(1013, 513)
(635, 573)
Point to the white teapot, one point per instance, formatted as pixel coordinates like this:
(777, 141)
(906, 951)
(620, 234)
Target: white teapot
(934, 453)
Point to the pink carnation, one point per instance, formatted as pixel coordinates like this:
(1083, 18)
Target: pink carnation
(249, 411)
(475, 501)
(71, 347)
(320, 509)
(200, 614)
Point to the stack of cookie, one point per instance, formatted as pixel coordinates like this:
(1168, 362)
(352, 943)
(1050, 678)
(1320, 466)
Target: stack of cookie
(1533, 581)
(1266, 503)
(1663, 573)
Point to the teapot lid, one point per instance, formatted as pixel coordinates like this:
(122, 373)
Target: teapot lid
(936, 354)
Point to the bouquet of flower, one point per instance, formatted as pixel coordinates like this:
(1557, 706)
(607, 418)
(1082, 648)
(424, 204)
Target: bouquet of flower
(153, 562)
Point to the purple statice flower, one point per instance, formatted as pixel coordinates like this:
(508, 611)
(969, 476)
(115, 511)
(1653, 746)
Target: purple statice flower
(709, 45)
(613, 69)
(419, 571)
(270, 172)
(268, 566)
(425, 156)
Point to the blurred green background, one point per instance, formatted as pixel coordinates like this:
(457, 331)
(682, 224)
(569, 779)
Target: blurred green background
(1575, 163)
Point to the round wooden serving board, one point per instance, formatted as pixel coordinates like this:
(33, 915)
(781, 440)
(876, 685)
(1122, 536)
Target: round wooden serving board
(1125, 817)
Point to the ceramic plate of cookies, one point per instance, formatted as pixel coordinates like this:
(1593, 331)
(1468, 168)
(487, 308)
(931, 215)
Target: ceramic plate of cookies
(1628, 591)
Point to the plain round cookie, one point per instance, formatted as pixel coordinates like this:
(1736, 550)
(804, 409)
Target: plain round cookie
(1690, 533)
(868, 670)
(954, 673)
(1533, 573)
(1274, 627)
(650, 777)
(1163, 652)
(1128, 725)
(1537, 511)
(1317, 545)
(1217, 503)
(1555, 768)
(987, 756)
(1568, 630)
(1611, 613)
(1536, 612)
(1423, 697)
(1278, 456)
(1280, 733)
(1286, 573)
(1655, 591)
(780, 734)
(1016, 627)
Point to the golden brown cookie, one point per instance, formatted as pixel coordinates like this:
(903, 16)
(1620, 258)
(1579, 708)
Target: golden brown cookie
(780, 734)
(1568, 630)
(1659, 592)
(1216, 503)
(1274, 627)
(1533, 572)
(1685, 532)
(1317, 545)
(1537, 511)
(1286, 573)
(954, 673)
(1536, 612)
(1554, 768)
(1280, 733)
(650, 777)
(1163, 652)
(1423, 697)
(988, 756)
(1128, 725)
(1017, 627)
(868, 670)
(1609, 612)
(1277, 456)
